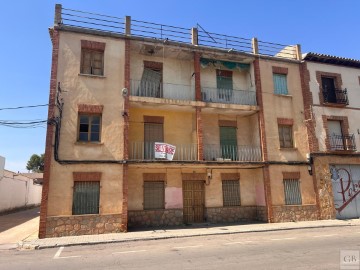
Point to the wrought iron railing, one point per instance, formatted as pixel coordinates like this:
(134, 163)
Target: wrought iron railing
(338, 96)
(232, 153)
(162, 90)
(117, 25)
(146, 151)
(230, 96)
(343, 142)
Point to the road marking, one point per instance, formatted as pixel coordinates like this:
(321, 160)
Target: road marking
(279, 239)
(235, 243)
(188, 247)
(58, 253)
(129, 251)
(326, 235)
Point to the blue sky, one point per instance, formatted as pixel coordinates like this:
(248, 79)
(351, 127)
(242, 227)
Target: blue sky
(330, 27)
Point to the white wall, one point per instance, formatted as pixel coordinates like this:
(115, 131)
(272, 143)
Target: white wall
(18, 191)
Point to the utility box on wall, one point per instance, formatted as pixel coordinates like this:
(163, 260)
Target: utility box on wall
(2, 166)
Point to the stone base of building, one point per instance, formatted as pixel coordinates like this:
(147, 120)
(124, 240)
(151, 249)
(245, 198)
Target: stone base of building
(291, 213)
(155, 218)
(231, 214)
(261, 213)
(84, 224)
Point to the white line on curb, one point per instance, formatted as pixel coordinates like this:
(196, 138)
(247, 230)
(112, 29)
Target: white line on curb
(129, 251)
(188, 247)
(326, 235)
(279, 239)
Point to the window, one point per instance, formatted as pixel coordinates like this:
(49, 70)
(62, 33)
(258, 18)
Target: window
(153, 132)
(280, 84)
(89, 128)
(224, 84)
(228, 142)
(231, 192)
(285, 136)
(154, 195)
(86, 197)
(92, 62)
(292, 192)
(151, 80)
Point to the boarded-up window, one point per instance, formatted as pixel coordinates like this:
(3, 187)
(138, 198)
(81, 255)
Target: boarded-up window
(92, 62)
(285, 136)
(292, 191)
(89, 128)
(280, 84)
(86, 197)
(231, 192)
(154, 195)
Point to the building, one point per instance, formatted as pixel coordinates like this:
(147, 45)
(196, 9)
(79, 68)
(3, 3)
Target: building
(155, 125)
(333, 116)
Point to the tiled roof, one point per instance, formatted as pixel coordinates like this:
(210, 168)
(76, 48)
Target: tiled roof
(330, 59)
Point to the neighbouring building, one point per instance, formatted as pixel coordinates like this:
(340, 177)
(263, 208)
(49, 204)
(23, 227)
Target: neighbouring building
(155, 125)
(333, 115)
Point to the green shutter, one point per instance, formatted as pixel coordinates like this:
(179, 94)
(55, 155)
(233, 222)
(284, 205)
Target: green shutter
(280, 84)
(86, 198)
(228, 142)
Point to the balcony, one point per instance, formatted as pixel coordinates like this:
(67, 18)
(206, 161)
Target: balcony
(336, 96)
(228, 96)
(232, 153)
(145, 151)
(342, 142)
(162, 90)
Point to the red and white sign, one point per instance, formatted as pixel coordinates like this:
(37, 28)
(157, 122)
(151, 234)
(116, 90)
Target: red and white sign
(164, 150)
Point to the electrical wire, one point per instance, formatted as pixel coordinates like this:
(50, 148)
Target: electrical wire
(24, 107)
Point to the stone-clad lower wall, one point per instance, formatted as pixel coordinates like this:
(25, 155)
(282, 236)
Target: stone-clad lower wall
(261, 213)
(83, 224)
(288, 213)
(231, 214)
(155, 218)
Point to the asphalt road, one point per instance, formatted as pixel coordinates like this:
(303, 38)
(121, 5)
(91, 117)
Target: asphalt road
(293, 249)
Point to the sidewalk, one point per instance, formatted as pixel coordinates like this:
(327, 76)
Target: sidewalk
(34, 243)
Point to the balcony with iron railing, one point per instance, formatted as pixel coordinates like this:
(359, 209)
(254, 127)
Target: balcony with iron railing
(228, 96)
(143, 88)
(226, 153)
(336, 96)
(146, 151)
(342, 142)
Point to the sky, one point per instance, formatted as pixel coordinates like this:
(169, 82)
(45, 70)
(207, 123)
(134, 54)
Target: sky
(322, 26)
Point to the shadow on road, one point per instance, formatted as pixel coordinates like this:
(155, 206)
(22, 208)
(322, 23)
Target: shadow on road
(12, 220)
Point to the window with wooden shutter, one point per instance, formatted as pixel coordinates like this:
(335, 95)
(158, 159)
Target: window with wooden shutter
(86, 197)
(89, 128)
(292, 192)
(280, 84)
(228, 142)
(224, 84)
(153, 132)
(92, 62)
(154, 195)
(231, 192)
(285, 136)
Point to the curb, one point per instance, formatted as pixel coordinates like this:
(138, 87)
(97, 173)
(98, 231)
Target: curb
(30, 246)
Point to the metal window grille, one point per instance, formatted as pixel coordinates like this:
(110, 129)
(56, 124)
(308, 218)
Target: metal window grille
(89, 128)
(292, 192)
(280, 84)
(154, 195)
(285, 136)
(231, 192)
(86, 198)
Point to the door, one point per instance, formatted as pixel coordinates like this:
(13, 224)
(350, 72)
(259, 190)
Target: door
(346, 188)
(335, 135)
(153, 132)
(328, 86)
(193, 196)
(228, 142)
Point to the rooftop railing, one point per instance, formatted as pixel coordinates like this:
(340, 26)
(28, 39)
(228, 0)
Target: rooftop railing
(195, 36)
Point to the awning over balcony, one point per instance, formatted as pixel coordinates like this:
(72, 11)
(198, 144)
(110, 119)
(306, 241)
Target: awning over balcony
(205, 62)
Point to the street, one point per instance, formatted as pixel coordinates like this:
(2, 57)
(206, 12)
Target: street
(291, 249)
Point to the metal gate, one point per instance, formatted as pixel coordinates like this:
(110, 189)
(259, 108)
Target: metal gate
(346, 188)
(193, 192)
